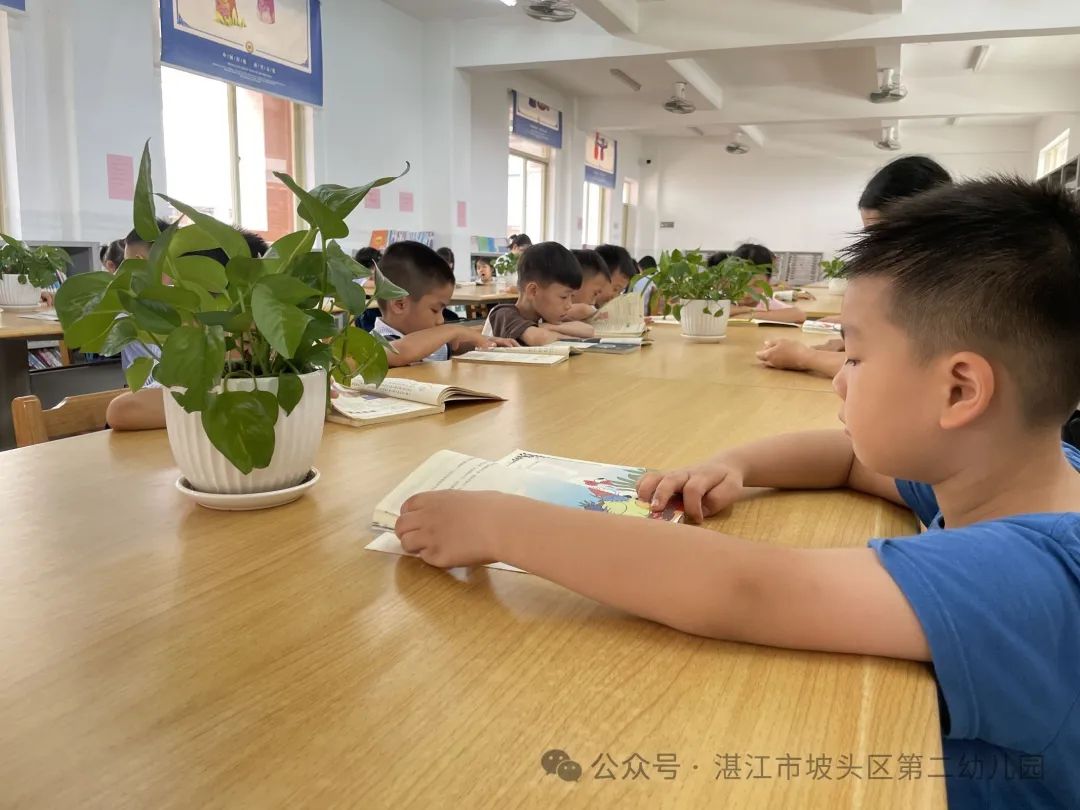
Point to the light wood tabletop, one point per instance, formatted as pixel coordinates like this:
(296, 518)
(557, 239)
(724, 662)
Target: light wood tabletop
(481, 294)
(825, 303)
(157, 654)
(14, 325)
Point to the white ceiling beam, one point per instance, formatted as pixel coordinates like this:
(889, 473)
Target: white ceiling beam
(885, 6)
(700, 79)
(930, 97)
(737, 24)
(617, 17)
(754, 134)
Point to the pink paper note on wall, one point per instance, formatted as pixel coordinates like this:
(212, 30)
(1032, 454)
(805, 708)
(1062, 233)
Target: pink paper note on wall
(405, 202)
(373, 199)
(462, 211)
(120, 170)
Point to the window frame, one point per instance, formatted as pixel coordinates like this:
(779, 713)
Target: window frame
(545, 180)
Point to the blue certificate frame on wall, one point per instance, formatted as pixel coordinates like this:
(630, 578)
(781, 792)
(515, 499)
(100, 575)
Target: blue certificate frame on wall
(272, 46)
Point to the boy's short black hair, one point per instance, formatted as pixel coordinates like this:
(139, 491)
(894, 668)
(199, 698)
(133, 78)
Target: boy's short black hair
(549, 263)
(618, 260)
(718, 257)
(991, 266)
(447, 255)
(647, 262)
(256, 244)
(904, 177)
(368, 257)
(134, 240)
(483, 260)
(415, 268)
(756, 254)
(592, 263)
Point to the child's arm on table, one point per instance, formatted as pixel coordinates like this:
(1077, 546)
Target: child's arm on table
(821, 459)
(415, 346)
(572, 329)
(580, 312)
(785, 315)
(137, 410)
(791, 354)
(694, 580)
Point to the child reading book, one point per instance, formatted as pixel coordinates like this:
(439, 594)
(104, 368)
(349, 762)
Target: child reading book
(962, 322)
(902, 178)
(415, 323)
(548, 275)
(623, 268)
(777, 310)
(595, 280)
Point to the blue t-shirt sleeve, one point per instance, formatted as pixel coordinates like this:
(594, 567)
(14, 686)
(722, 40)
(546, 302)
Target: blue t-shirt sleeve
(999, 603)
(920, 499)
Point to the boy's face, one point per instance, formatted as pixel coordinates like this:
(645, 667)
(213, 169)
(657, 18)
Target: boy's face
(592, 288)
(551, 302)
(484, 272)
(892, 401)
(619, 283)
(411, 314)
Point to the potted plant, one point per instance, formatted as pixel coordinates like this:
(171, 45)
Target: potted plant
(834, 272)
(246, 348)
(26, 271)
(505, 267)
(700, 296)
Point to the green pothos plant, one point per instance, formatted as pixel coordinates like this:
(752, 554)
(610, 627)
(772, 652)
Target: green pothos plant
(833, 268)
(506, 264)
(37, 267)
(251, 318)
(681, 277)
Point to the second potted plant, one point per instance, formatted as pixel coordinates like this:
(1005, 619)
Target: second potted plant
(26, 271)
(833, 270)
(700, 297)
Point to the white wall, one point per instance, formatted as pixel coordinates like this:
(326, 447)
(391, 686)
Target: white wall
(718, 200)
(77, 99)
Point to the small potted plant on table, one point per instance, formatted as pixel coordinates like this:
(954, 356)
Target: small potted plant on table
(26, 271)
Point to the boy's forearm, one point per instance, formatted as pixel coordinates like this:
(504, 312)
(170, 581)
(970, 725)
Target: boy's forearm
(572, 329)
(415, 347)
(579, 312)
(786, 315)
(812, 460)
(687, 578)
(539, 336)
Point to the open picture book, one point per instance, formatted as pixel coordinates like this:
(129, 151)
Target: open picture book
(622, 316)
(396, 399)
(561, 481)
(550, 355)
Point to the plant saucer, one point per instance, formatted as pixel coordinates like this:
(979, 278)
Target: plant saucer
(248, 501)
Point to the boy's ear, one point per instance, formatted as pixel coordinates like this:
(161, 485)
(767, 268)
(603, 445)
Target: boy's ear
(398, 305)
(971, 388)
(532, 288)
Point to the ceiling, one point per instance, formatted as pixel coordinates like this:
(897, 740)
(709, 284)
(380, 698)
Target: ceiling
(790, 69)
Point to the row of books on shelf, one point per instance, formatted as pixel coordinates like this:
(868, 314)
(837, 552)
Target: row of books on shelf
(41, 359)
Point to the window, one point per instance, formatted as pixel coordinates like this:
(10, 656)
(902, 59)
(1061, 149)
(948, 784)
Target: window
(526, 188)
(595, 214)
(222, 145)
(1054, 154)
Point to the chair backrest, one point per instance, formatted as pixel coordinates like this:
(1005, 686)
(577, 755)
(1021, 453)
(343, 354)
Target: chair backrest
(74, 415)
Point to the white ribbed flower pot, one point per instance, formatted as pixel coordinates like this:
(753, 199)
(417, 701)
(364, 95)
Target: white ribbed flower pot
(697, 324)
(14, 294)
(837, 285)
(297, 438)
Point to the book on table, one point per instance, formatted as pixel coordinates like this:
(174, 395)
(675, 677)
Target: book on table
(569, 482)
(622, 317)
(550, 355)
(396, 399)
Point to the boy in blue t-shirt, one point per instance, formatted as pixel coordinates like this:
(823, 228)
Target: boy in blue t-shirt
(962, 329)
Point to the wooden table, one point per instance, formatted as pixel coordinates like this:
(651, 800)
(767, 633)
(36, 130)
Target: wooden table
(732, 361)
(481, 294)
(825, 303)
(15, 331)
(156, 654)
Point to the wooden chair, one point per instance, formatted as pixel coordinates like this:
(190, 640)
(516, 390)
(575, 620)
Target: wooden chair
(74, 415)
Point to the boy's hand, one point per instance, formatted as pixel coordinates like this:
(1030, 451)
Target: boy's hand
(448, 528)
(785, 354)
(508, 342)
(469, 338)
(706, 488)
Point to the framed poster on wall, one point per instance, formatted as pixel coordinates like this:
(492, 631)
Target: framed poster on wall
(601, 160)
(272, 46)
(535, 120)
